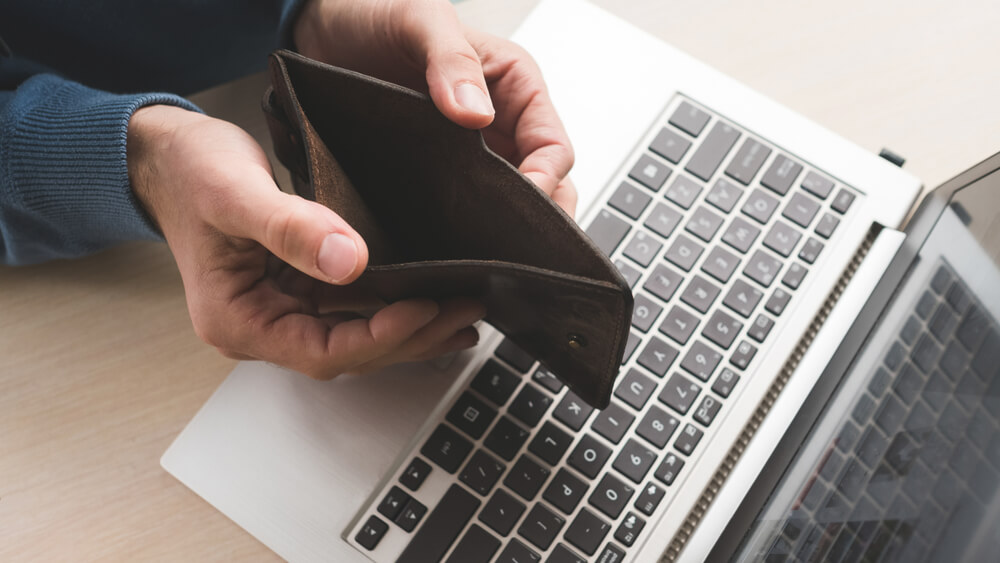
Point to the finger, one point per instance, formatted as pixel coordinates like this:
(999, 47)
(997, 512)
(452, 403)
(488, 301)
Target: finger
(464, 338)
(305, 234)
(565, 196)
(455, 314)
(433, 34)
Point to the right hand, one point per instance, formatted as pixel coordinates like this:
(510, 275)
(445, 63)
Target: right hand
(262, 269)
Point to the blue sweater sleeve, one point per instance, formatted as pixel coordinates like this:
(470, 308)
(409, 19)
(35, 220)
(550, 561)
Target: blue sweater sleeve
(64, 186)
(65, 105)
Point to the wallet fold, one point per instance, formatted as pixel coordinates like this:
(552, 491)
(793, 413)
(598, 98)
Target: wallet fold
(444, 216)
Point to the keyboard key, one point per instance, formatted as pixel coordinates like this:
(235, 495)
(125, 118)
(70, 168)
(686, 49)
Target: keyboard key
(517, 552)
(743, 298)
(643, 248)
(506, 438)
(411, 514)
(629, 529)
(371, 533)
(657, 356)
(611, 495)
(683, 191)
(607, 230)
(794, 275)
(925, 353)
(650, 172)
(634, 461)
(700, 294)
(572, 411)
(630, 274)
(501, 512)
(688, 439)
(720, 264)
(958, 298)
(743, 354)
(446, 448)
(526, 477)
(679, 393)
(724, 195)
(565, 491)
(843, 201)
(611, 554)
(495, 382)
(679, 324)
(747, 161)
(530, 405)
(684, 252)
(612, 423)
(817, 185)
(782, 173)
(630, 200)
(778, 301)
(670, 145)
(482, 472)
(724, 384)
(547, 379)
(762, 268)
(476, 546)
(541, 526)
(663, 282)
(706, 411)
(650, 497)
(707, 158)
(393, 503)
(657, 427)
(644, 312)
(587, 532)
(562, 554)
(514, 355)
(635, 389)
(550, 443)
(801, 209)
(782, 238)
(760, 205)
(630, 345)
(689, 118)
(669, 468)
(589, 456)
(941, 280)
(471, 415)
(760, 328)
(827, 224)
(740, 234)
(703, 223)
(701, 360)
(415, 473)
(722, 329)
(663, 220)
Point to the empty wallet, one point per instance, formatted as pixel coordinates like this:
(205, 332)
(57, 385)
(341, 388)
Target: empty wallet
(444, 216)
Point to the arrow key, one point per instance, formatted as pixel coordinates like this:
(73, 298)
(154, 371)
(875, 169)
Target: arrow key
(411, 515)
(393, 503)
(371, 533)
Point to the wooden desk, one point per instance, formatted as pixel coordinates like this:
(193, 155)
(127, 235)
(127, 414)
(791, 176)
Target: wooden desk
(99, 368)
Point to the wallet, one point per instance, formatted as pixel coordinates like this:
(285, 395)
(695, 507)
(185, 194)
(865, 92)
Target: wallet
(444, 216)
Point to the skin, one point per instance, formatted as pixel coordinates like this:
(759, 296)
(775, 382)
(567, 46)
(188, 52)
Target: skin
(266, 274)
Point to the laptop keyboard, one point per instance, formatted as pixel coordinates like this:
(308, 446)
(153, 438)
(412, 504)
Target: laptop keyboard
(716, 232)
(920, 452)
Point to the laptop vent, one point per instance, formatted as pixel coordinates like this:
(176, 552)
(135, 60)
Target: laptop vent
(722, 473)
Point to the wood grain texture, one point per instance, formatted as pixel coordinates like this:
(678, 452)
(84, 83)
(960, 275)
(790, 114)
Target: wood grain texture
(100, 369)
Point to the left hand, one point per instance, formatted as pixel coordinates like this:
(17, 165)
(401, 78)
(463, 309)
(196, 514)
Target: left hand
(475, 79)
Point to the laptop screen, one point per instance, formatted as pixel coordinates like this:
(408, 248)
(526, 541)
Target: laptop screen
(903, 463)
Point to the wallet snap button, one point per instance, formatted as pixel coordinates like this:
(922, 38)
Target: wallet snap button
(576, 341)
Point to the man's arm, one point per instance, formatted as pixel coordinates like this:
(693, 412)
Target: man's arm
(64, 184)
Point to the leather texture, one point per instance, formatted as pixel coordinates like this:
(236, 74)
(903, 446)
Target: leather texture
(444, 216)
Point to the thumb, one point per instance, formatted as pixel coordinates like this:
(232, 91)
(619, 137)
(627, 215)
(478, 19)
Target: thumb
(454, 72)
(305, 234)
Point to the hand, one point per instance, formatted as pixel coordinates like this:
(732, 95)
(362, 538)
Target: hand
(421, 44)
(258, 264)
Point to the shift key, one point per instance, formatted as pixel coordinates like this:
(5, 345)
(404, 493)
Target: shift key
(442, 527)
(713, 150)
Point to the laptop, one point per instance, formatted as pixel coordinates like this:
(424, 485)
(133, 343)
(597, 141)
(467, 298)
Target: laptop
(803, 380)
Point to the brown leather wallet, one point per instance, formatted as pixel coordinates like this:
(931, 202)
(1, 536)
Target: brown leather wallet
(444, 216)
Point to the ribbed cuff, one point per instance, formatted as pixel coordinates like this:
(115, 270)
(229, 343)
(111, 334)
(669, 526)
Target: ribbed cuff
(63, 160)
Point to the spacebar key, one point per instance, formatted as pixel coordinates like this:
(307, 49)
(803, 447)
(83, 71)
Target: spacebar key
(442, 527)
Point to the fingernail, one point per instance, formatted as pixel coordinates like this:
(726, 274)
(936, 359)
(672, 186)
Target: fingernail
(338, 256)
(470, 97)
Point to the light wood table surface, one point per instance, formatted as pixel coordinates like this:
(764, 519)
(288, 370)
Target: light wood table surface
(100, 369)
